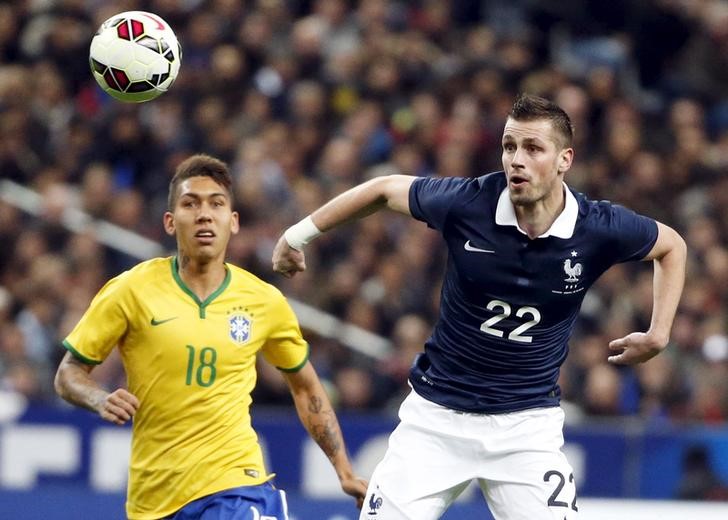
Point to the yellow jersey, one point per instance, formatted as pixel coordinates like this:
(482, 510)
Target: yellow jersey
(191, 364)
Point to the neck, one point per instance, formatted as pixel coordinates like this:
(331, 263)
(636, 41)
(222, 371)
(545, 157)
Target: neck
(202, 278)
(537, 217)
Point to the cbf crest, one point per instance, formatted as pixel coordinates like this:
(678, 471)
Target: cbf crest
(240, 326)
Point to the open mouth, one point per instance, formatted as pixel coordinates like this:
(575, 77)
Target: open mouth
(517, 180)
(205, 235)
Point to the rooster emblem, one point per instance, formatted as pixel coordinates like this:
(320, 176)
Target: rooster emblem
(374, 504)
(573, 271)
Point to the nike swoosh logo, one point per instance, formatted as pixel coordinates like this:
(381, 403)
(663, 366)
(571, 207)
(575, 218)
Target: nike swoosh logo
(468, 247)
(159, 322)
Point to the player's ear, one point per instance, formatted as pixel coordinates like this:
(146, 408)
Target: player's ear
(235, 222)
(168, 221)
(565, 159)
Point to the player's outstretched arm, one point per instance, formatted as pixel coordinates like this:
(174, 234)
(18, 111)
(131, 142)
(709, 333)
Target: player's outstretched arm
(74, 384)
(318, 417)
(389, 191)
(669, 255)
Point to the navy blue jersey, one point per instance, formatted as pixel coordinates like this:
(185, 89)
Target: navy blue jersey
(508, 303)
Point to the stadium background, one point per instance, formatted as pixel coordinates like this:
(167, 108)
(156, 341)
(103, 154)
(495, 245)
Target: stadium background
(307, 98)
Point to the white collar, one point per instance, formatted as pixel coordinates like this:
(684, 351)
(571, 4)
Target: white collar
(563, 226)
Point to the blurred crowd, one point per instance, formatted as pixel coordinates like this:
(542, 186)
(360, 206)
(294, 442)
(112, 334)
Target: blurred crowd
(307, 98)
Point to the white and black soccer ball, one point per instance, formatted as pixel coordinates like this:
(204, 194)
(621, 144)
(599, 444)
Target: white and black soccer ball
(135, 56)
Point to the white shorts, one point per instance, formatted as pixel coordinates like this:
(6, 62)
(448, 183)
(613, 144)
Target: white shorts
(435, 452)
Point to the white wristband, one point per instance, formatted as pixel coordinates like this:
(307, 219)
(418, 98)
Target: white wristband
(301, 233)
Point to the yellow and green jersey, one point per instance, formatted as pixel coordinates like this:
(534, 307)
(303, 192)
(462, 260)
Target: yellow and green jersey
(191, 364)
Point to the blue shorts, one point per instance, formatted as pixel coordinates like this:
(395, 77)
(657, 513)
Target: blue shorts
(263, 502)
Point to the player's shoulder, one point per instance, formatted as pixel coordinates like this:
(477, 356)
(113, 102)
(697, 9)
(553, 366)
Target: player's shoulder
(492, 181)
(148, 269)
(484, 189)
(594, 207)
(144, 272)
(463, 188)
(242, 278)
(137, 279)
(603, 212)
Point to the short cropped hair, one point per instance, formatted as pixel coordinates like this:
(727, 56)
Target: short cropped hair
(199, 165)
(528, 107)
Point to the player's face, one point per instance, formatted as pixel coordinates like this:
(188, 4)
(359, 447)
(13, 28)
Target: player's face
(202, 220)
(533, 160)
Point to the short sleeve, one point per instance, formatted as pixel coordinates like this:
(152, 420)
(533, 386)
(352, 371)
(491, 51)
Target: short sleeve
(102, 326)
(431, 198)
(285, 347)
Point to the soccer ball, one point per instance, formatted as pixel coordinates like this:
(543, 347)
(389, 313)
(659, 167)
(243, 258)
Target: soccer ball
(135, 56)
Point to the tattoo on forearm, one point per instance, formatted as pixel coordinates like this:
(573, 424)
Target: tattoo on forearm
(315, 404)
(324, 428)
(326, 437)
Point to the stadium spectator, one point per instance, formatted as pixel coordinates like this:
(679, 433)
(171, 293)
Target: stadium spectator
(699, 480)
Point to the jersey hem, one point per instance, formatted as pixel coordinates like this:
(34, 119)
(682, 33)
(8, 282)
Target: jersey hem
(206, 492)
(548, 402)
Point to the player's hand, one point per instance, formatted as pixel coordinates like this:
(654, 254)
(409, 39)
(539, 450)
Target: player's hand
(118, 407)
(356, 487)
(634, 348)
(286, 260)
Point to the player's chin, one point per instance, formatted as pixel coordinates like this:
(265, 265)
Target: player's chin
(205, 252)
(520, 195)
(206, 243)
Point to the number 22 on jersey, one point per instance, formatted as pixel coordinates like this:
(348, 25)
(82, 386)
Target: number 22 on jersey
(516, 334)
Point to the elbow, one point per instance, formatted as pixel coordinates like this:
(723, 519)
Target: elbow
(680, 252)
(678, 244)
(682, 248)
(59, 383)
(675, 247)
(382, 187)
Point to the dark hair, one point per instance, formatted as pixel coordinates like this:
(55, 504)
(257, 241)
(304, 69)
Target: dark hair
(199, 165)
(530, 108)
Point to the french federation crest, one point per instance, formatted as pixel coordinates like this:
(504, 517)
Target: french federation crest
(573, 271)
(240, 328)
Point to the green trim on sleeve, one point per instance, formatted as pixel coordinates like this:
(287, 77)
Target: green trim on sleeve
(300, 365)
(78, 355)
